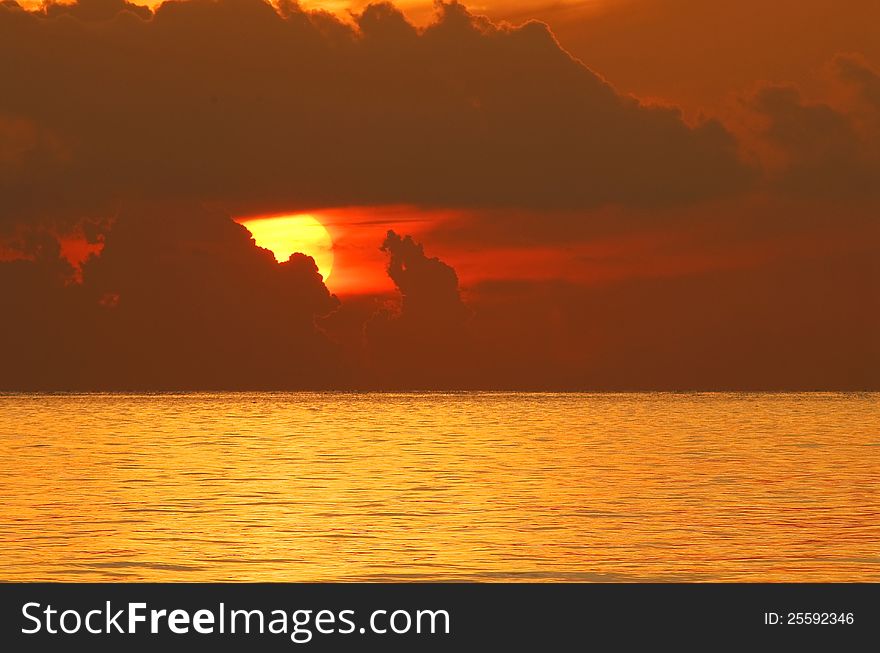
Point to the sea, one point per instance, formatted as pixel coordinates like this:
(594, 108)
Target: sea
(470, 486)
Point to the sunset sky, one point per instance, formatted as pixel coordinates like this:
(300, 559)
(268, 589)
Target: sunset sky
(607, 194)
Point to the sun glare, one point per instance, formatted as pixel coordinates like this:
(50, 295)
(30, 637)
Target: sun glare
(285, 234)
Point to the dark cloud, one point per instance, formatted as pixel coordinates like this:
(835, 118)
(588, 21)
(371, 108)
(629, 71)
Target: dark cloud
(95, 10)
(799, 318)
(797, 323)
(425, 342)
(176, 299)
(828, 150)
(855, 70)
(428, 287)
(233, 101)
(695, 53)
(28, 155)
(40, 343)
(821, 162)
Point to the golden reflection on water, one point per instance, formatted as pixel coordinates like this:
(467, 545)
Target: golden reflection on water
(467, 486)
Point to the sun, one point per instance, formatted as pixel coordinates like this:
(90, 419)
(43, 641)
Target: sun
(285, 234)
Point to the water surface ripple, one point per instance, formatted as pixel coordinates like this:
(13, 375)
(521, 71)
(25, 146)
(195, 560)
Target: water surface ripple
(440, 486)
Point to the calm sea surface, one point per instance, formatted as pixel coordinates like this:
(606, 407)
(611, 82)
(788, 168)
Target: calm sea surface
(472, 486)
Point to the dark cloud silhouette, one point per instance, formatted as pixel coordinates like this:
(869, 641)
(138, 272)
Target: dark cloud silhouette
(828, 150)
(854, 69)
(28, 154)
(176, 299)
(191, 302)
(694, 52)
(95, 10)
(233, 101)
(424, 343)
(428, 287)
(799, 318)
(796, 323)
(39, 332)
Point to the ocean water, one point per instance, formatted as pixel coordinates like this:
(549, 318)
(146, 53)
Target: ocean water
(440, 486)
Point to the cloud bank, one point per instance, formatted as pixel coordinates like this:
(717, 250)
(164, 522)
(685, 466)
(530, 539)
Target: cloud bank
(178, 299)
(236, 102)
